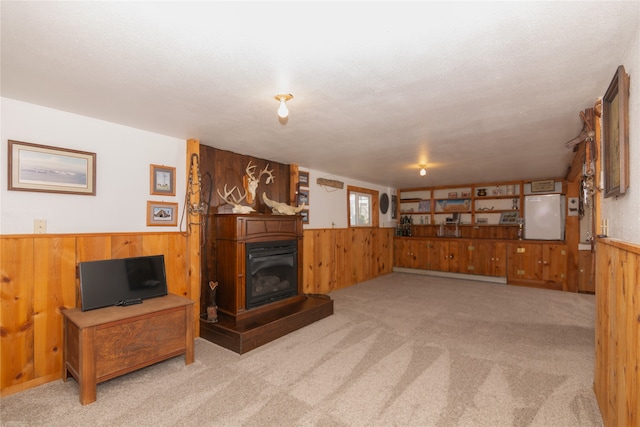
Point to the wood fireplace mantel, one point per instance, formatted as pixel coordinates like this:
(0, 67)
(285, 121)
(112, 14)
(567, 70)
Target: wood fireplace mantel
(233, 232)
(238, 328)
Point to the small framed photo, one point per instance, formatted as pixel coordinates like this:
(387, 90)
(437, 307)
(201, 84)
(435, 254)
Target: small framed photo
(305, 216)
(47, 169)
(453, 194)
(303, 197)
(465, 194)
(303, 178)
(163, 180)
(162, 213)
(509, 217)
(482, 220)
(545, 186)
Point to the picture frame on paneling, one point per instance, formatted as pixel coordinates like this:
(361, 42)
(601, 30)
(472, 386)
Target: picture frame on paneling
(303, 178)
(48, 169)
(162, 214)
(305, 216)
(163, 180)
(303, 197)
(615, 135)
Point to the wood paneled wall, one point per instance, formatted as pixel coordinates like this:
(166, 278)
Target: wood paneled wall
(38, 280)
(336, 258)
(617, 353)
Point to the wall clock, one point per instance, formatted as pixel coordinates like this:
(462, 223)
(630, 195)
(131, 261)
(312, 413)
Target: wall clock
(384, 203)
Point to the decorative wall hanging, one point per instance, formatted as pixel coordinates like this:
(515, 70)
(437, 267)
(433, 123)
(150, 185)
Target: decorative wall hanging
(163, 180)
(615, 135)
(162, 213)
(47, 169)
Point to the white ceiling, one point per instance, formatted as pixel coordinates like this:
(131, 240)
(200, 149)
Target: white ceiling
(478, 91)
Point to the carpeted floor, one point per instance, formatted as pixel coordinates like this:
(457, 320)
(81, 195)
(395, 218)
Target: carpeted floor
(402, 349)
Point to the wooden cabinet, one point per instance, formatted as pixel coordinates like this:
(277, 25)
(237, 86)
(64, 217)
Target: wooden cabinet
(485, 258)
(537, 264)
(411, 253)
(105, 343)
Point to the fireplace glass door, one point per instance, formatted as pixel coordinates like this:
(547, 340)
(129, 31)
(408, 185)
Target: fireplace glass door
(272, 269)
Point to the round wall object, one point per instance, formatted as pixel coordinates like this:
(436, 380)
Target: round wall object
(384, 203)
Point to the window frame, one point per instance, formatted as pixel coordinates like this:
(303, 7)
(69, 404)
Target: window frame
(374, 213)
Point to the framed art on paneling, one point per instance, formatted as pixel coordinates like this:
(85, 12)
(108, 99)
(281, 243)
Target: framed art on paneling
(162, 213)
(47, 169)
(163, 180)
(615, 135)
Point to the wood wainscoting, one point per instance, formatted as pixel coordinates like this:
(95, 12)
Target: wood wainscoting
(38, 276)
(335, 258)
(617, 352)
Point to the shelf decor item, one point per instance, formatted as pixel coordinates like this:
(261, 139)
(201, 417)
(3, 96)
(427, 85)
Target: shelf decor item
(509, 218)
(46, 169)
(546, 186)
(615, 135)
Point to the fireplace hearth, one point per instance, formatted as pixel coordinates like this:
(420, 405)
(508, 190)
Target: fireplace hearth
(259, 271)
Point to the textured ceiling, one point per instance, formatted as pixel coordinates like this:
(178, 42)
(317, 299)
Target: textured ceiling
(477, 91)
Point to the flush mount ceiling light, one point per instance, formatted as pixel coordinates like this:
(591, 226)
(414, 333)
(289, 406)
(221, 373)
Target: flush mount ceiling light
(283, 111)
(423, 170)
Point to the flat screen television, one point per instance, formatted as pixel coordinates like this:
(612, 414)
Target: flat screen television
(123, 281)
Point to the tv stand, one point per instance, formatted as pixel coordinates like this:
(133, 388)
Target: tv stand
(108, 342)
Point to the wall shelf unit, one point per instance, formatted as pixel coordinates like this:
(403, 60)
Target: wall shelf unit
(472, 204)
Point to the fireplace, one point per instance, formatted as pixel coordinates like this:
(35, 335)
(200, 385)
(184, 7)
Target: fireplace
(259, 270)
(271, 272)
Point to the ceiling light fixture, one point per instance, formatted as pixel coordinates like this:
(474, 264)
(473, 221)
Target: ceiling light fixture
(423, 170)
(283, 111)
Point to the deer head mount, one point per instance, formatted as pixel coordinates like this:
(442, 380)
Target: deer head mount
(279, 208)
(235, 201)
(250, 182)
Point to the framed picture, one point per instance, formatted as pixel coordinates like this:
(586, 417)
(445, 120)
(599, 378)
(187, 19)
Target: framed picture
(509, 217)
(465, 194)
(545, 186)
(163, 180)
(162, 213)
(615, 135)
(303, 178)
(35, 167)
(305, 216)
(394, 206)
(303, 197)
(453, 194)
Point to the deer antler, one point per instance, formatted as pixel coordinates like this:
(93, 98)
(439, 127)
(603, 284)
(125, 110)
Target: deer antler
(232, 200)
(270, 177)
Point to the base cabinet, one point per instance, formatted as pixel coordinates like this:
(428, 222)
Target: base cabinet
(538, 264)
(541, 265)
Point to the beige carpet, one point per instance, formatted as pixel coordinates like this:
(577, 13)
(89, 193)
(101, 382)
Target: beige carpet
(403, 349)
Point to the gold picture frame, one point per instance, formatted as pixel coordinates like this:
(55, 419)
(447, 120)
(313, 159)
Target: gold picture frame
(163, 180)
(615, 135)
(47, 169)
(162, 214)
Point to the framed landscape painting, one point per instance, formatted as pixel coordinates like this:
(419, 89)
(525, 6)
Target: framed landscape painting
(47, 169)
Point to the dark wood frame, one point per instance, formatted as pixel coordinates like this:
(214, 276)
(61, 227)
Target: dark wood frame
(305, 216)
(172, 221)
(155, 188)
(615, 135)
(14, 148)
(303, 178)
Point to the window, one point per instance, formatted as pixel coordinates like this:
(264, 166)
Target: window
(363, 207)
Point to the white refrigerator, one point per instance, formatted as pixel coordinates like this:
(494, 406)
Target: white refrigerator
(544, 217)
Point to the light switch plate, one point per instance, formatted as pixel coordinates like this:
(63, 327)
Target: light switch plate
(39, 226)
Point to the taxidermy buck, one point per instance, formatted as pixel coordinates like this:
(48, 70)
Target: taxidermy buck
(250, 182)
(279, 208)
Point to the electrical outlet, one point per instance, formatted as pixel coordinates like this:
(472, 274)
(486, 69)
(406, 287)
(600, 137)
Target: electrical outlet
(39, 226)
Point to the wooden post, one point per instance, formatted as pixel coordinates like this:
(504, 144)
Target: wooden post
(193, 231)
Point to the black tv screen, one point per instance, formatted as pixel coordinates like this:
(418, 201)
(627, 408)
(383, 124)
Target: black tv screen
(122, 281)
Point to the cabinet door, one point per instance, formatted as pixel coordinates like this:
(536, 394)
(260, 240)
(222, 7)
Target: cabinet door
(476, 257)
(438, 255)
(420, 251)
(402, 253)
(554, 264)
(524, 261)
(499, 260)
